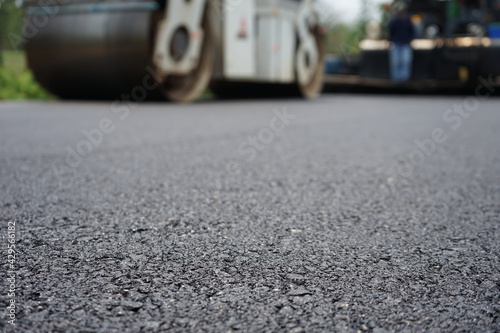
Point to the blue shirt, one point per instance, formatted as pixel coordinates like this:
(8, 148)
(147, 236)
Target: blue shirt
(401, 30)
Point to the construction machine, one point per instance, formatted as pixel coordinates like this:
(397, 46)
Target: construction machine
(457, 43)
(176, 49)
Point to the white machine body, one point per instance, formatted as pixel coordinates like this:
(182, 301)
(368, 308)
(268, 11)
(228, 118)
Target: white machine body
(261, 40)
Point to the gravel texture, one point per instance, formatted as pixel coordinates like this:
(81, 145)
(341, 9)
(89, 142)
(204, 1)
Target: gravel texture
(173, 222)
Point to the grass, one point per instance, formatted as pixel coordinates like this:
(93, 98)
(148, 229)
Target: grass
(15, 61)
(17, 81)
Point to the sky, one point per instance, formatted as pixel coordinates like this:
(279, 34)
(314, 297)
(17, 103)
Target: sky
(348, 10)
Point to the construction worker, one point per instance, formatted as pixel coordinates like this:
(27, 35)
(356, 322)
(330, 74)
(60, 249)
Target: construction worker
(401, 34)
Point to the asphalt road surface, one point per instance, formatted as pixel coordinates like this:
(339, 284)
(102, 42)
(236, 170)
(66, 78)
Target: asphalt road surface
(348, 213)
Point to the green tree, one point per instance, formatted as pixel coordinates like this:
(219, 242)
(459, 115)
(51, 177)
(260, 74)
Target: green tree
(10, 22)
(344, 39)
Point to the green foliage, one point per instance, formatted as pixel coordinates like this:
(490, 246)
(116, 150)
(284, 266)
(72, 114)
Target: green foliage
(344, 39)
(11, 22)
(16, 81)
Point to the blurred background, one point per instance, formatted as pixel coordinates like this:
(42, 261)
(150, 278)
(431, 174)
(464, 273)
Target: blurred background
(453, 47)
(345, 22)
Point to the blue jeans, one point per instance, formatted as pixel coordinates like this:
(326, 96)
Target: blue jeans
(401, 61)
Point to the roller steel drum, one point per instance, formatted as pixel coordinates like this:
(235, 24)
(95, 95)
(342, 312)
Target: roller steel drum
(89, 51)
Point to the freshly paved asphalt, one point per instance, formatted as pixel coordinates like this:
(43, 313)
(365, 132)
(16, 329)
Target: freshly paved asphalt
(180, 221)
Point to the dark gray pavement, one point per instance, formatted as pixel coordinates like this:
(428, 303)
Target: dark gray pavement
(349, 213)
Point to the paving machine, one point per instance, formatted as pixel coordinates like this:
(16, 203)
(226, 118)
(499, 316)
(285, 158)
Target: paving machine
(102, 49)
(457, 42)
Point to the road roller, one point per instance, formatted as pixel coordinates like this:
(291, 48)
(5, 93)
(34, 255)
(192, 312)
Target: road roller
(90, 49)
